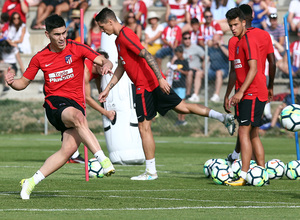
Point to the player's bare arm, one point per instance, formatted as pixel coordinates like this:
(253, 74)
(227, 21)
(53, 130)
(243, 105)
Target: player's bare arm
(105, 63)
(272, 71)
(230, 85)
(164, 85)
(248, 80)
(16, 84)
(114, 80)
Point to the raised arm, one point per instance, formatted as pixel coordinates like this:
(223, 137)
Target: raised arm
(105, 63)
(16, 84)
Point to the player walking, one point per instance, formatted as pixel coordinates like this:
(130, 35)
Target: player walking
(251, 92)
(154, 94)
(63, 65)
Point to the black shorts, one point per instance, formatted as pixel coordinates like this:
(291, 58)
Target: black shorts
(54, 106)
(250, 111)
(149, 103)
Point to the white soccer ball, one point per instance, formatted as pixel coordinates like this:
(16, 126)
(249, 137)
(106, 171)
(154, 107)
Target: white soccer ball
(236, 167)
(217, 162)
(95, 169)
(257, 176)
(206, 169)
(292, 170)
(290, 117)
(275, 169)
(221, 173)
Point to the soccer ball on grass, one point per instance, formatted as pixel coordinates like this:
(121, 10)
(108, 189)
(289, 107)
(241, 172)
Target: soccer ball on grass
(257, 176)
(221, 173)
(275, 169)
(95, 169)
(292, 170)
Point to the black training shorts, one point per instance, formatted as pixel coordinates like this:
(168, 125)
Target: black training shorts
(149, 103)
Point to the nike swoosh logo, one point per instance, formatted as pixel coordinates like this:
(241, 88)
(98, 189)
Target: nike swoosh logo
(225, 174)
(243, 121)
(139, 116)
(46, 65)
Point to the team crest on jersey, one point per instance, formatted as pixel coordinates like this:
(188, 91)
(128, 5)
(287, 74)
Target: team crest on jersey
(237, 50)
(68, 59)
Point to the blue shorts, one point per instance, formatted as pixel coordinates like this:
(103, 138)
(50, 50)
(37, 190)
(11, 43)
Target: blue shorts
(212, 73)
(180, 91)
(295, 69)
(163, 52)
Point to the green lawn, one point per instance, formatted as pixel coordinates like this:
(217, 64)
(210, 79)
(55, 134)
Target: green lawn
(181, 191)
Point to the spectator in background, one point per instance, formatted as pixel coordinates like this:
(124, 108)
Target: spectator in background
(68, 5)
(153, 33)
(131, 22)
(18, 35)
(295, 54)
(45, 8)
(20, 6)
(194, 9)
(209, 28)
(260, 9)
(171, 38)
(219, 9)
(294, 15)
(219, 65)
(94, 34)
(177, 8)
(195, 57)
(276, 30)
(179, 79)
(73, 27)
(138, 7)
(195, 31)
(4, 24)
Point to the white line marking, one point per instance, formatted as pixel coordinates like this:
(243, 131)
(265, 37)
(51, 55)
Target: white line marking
(145, 209)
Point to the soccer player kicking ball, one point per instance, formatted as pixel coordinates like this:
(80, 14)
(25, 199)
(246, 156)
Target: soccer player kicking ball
(251, 92)
(154, 94)
(62, 62)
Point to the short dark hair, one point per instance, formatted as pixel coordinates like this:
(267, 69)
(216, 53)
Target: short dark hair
(194, 21)
(105, 14)
(179, 49)
(247, 11)
(185, 33)
(54, 21)
(235, 13)
(103, 53)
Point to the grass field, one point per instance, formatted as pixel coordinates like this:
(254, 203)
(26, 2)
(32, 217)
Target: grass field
(181, 192)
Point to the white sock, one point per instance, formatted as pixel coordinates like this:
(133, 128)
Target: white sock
(75, 155)
(150, 166)
(235, 155)
(243, 174)
(38, 177)
(216, 115)
(100, 155)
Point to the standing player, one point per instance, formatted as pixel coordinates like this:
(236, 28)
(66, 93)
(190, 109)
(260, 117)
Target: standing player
(266, 50)
(63, 65)
(154, 94)
(251, 92)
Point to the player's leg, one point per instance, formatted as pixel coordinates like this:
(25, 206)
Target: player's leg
(149, 150)
(258, 148)
(70, 142)
(74, 118)
(201, 110)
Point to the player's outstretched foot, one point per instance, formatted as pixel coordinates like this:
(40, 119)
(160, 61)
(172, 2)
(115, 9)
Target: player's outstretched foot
(229, 123)
(108, 168)
(78, 159)
(27, 187)
(239, 182)
(145, 176)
